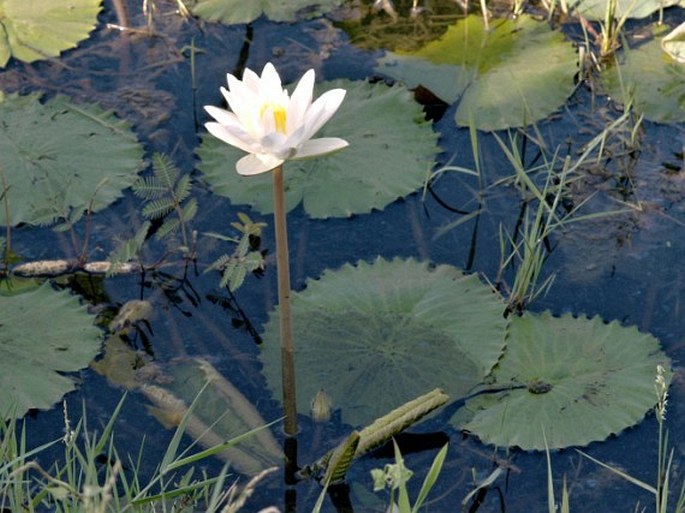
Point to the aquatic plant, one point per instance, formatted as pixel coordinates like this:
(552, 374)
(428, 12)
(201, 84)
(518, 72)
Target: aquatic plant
(394, 140)
(272, 126)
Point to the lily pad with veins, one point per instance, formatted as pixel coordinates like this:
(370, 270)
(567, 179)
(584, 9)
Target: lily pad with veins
(43, 334)
(391, 148)
(240, 11)
(578, 380)
(377, 335)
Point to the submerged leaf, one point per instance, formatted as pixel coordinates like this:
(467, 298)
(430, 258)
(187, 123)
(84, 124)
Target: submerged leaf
(377, 335)
(60, 159)
(43, 333)
(577, 380)
(391, 147)
(33, 30)
(517, 73)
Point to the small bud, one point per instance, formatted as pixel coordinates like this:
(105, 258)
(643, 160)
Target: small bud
(321, 407)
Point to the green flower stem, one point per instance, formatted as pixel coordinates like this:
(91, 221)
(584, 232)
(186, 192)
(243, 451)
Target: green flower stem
(286, 327)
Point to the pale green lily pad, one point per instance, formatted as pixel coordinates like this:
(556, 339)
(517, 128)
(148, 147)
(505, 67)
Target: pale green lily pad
(59, 158)
(517, 73)
(652, 79)
(583, 380)
(43, 333)
(374, 336)
(596, 9)
(391, 148)
(240, 11)
(673, 43)
(37, 29)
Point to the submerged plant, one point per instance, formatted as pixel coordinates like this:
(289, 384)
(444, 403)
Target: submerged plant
(164, 192)
(272, 126)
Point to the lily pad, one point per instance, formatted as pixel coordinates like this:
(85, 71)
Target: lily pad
(652, 79)
(38, 29)
(517, 73)
(377, 335)
(577, 379)
(59, 159)
(240, 11)
(43, 333)
(596, 9)
(391, 147)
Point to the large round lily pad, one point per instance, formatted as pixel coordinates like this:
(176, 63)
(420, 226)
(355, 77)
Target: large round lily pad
(653, 80)
(240, 11)
(43, 333)
(517, 73)
(596, 9)
(59, 159)
(391, 147)
(577, 379)
(374, 336)
(31, 30)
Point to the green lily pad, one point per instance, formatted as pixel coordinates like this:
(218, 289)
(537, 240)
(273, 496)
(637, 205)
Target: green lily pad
(596, 9)
(59, 159)
(38, 29)
(652, 79)
(43, 333)
(377, 335)
(240, 11)
(579, 380)
(391, 147)
(517, 73)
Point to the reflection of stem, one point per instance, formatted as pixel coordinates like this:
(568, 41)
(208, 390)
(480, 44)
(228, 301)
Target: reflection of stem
(286, 329)
(4, 195)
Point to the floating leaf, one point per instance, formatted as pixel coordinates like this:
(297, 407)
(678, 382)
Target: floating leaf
(37, 29)
(377, 335)
(652, 80)
(673, 43)
(577, 379)
(43, 333)
(240, 11)
(596, 9)
(391, 147)
(59, 159)
(517, 73)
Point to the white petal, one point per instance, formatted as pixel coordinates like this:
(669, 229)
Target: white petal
(256, 164)
(322, 110)
(223, 116)
(235, 138)
(270, 87)
(300, 101)
(251, 80)
(321, 146)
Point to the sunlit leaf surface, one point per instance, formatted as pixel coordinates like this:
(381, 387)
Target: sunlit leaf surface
(59, 158)
(36, 29)
(43, 333)
(387, 332)
(240, 11)
(580, 380)
(596, 9)
(391, 148)
(515, 74)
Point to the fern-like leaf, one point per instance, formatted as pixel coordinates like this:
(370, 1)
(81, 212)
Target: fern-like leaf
(169, 226)
(165, 170)
(158, 208)
(149, 188)
(189, 210)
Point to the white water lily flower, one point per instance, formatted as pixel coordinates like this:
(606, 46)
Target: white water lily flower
(269, 124)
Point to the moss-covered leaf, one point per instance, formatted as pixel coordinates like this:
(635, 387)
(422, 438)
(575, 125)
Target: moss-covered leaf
(391, 147)
(377, 335)
(31, 30)
(240, 11)
(517, 73)
(59, 159)
(43, 333)
(577, 379)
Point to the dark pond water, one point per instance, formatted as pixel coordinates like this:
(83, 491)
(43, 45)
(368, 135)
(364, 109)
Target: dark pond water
(629, 269)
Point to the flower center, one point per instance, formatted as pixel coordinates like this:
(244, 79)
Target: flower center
(278, 112)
